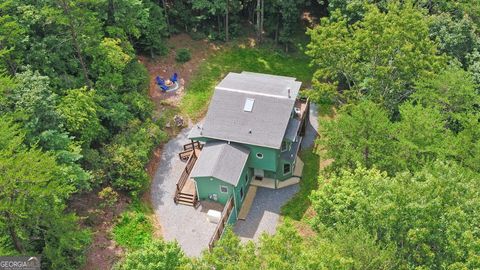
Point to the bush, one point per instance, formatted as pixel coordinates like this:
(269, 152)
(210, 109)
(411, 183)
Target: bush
(155, 255)
(127, 155)
(183, 55)
(133, 230)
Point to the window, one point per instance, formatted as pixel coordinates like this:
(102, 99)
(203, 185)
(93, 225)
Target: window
(246, 178)
(284, 146)
(286, 168)
(241, 193)
(224, 189)
(248, 107)
(259, 155)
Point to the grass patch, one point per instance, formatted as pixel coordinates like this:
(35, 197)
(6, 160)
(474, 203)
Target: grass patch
(134, 228)
(237, 59)
(298, 205)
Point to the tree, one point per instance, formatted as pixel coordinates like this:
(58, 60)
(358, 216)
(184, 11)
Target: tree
(361, 135)
(456, 38)
(378, 57)
(153, 33)
(157, 255)
(79, 111)
(33, 101)
(452, 92)
(408, 211)
(420, 137)
(33, 191)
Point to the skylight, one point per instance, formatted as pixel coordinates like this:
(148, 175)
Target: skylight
(248, 105)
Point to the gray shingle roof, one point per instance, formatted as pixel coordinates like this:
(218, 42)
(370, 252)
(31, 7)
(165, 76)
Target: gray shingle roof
(266, 124)
(221, 160)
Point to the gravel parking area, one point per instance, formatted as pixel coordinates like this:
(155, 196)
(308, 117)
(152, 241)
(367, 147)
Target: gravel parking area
(265, 212)
(187, 225)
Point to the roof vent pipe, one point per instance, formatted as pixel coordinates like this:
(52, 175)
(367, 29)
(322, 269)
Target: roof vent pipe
(250, 131)
(288, 92)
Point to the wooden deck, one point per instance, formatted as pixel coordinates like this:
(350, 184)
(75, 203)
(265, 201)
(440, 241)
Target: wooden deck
(247, 203)
(227, 210)
(189, 187)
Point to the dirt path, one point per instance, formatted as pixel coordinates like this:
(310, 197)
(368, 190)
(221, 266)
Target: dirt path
(103, 252)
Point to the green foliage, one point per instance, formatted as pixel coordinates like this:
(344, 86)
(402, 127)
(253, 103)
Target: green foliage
(79, 111)
(353, 249)
(408, 211)
(108, 196)
(452, 91)
(154, 255)
(128, 154)
(200, 89)
(133, 230)
(360, 135)
(456, 38)
(33, 192)
(295, 208)
(378, 57)
(183, 55)
(153, 32)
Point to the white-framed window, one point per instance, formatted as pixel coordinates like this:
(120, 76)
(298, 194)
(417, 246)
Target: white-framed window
(259, 155)
(223, 189)
(284, 146)
(287, 168)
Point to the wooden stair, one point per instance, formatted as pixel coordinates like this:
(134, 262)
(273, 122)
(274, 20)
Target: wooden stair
(186, 199)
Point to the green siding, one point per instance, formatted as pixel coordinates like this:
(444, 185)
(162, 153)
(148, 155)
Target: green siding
(269, 160)
(207, 186)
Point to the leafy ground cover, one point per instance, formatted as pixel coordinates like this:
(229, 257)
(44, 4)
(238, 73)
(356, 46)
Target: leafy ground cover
(134, 228)
(298, 205)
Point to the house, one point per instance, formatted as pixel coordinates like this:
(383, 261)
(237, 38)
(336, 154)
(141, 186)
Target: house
(250, 137)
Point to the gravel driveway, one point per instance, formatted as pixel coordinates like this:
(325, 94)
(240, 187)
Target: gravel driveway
(188, 225)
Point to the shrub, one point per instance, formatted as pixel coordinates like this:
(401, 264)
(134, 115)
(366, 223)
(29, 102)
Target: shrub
(183, 55)
(108, 196)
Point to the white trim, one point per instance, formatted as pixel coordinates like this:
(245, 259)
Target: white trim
(223, 186)
(253, 93)
(283, 168)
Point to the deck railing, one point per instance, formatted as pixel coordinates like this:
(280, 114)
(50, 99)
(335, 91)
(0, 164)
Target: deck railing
(227, 210)
(187, 150)
(185, 175)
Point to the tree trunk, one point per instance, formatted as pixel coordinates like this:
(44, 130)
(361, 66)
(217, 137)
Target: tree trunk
(166, 14)
(74, 36)
(262, 19)
(226, 22)
(277, 30)
(219, 25)
(111, 13)
(366, 154)
(13, 234)
(258, 19)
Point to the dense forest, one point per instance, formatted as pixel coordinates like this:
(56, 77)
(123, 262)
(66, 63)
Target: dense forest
(403, 78)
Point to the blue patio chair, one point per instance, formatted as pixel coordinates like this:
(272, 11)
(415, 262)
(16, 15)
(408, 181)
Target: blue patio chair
(174, 78)
(159, 80)
(164, 87)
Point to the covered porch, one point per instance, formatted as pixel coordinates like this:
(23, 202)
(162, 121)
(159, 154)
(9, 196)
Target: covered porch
(275, 183)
